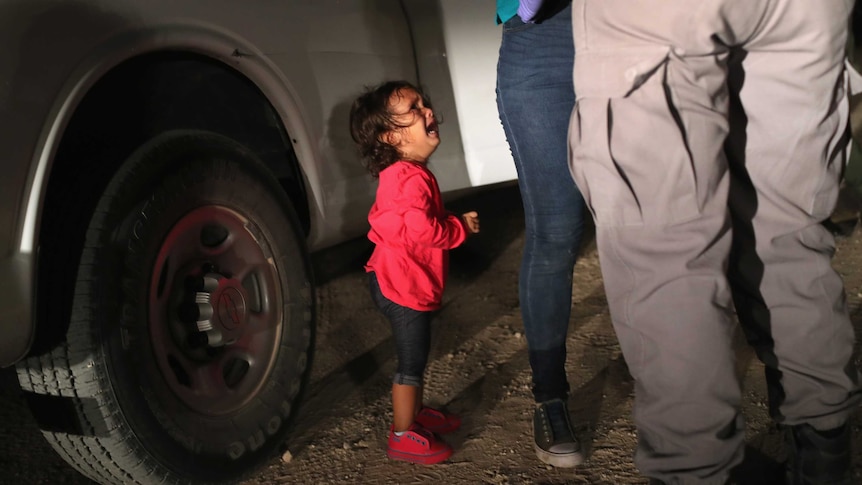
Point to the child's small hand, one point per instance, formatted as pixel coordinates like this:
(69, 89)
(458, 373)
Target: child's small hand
(471, 220)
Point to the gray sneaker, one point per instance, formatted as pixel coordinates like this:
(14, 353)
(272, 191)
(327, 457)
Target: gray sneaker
(556, 444)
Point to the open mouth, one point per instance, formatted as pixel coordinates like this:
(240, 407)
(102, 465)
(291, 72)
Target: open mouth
(432, 128)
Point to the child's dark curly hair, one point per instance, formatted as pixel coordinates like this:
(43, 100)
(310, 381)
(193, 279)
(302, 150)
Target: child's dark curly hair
(370, 119)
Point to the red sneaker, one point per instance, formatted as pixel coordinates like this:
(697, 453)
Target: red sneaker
(438, 421)
(418, 445)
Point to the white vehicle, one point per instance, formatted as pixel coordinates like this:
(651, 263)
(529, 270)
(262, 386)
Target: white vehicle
(167, 165)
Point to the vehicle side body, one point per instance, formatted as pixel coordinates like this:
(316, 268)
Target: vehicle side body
(87, 82)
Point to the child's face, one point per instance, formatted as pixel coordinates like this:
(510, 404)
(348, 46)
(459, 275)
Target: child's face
(417, 137)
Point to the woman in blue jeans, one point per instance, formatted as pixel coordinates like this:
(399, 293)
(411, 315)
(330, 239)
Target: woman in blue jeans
(535, 97)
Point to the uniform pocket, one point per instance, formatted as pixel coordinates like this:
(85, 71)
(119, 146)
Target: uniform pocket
(829, 180)
(629, 152)
(616, 73)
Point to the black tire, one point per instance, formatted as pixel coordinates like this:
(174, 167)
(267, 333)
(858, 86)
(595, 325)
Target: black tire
(192, 224)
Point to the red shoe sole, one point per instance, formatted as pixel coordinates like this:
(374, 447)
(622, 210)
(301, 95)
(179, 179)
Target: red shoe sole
(438, 457)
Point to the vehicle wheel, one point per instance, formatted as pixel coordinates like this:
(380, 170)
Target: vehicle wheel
(191, 326)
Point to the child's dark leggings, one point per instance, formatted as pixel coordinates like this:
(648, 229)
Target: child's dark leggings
(411, 330)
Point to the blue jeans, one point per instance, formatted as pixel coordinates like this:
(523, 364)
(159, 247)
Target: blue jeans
(535, 97)
(411, 330)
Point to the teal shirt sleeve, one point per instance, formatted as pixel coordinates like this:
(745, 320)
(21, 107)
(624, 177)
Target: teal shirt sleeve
(506, 9)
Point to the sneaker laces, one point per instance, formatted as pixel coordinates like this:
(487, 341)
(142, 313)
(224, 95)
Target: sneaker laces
(422, 431)
(559, 422)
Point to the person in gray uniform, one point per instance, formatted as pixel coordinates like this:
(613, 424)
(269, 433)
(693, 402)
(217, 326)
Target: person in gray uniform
(708, 139)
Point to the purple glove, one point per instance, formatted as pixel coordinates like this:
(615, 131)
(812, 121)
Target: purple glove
(527, 9)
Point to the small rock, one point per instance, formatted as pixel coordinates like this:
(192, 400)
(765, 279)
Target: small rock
(286, 457)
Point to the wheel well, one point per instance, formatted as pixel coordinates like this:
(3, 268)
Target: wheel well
(132, 103)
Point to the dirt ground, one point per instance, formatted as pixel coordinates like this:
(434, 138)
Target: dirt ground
(478, 368)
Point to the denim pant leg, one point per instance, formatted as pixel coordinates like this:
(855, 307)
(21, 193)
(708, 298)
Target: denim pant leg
(411, 330)
(535, 97)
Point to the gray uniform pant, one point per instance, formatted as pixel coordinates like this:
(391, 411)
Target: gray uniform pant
(708, 139)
